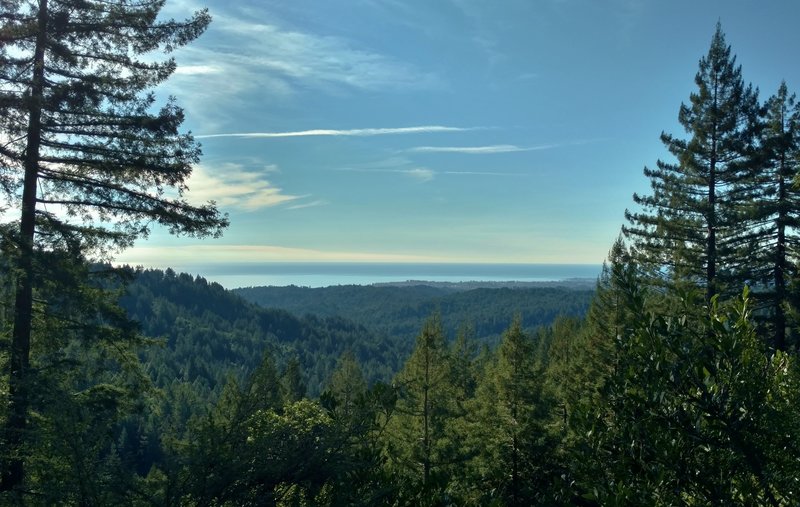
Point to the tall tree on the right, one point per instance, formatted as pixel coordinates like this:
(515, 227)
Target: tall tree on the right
(775, 208)
(690, 228)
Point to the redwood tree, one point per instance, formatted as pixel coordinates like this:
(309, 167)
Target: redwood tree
(86, 158)
(775, 205)
(691, 226)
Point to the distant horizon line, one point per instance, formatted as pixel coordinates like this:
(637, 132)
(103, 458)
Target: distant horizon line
(360, 262)
(329, 273)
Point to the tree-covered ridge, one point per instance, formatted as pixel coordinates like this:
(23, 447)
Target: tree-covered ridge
(210, 333)
(652, 399)
(398, 312)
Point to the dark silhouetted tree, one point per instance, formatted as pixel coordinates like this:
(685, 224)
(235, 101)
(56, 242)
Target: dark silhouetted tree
(690, 227)
(775, 208)
(87, 158)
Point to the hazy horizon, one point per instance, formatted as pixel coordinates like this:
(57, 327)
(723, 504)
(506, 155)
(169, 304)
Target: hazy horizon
(324, 274)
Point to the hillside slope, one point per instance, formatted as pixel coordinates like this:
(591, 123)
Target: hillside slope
(397, 312)
(209, 333)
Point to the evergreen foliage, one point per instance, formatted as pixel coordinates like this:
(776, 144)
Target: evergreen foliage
(420, 446)
(772, 255)
(517, 450)
(85, 160)
(693, 413)
(397, 313)
(690, 228)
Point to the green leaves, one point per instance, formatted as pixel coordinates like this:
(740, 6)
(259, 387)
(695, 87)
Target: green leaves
(688, 415)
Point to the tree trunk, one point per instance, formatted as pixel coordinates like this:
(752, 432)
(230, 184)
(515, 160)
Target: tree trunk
(711, 244)
(426, 438)
(19, 396)
(780, 262)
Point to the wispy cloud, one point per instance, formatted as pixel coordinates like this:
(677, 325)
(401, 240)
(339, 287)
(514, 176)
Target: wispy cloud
(197, 70)
(478, 150)
(424, 174)
(418, 173)
(498, 148)
(320, 59)
(481, 173)
(312, 204)
(251, 56)
(230, 185)
(425, 129)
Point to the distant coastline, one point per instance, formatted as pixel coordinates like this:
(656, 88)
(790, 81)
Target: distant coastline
(459, 275)
(570, 283)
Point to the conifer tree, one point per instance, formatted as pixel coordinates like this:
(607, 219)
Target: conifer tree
(87, 159)
(579, 363)
(775, 208)
(513, 409)
(606, 316)
(691, 226)
(88, 380)
(419, 443)
(360, 415)
(216, 457)
(294, 389)
(463, 439)
(346, 387)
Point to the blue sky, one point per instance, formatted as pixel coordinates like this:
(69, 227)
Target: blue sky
(443, 130)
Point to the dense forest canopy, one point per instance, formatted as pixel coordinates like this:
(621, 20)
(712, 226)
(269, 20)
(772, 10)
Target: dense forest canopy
(398, 312)
(677, 383)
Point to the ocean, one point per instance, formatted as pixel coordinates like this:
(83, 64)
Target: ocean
(317, 274)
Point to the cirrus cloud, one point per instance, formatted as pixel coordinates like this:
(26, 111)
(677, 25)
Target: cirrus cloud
(479, 150)
(424, 129)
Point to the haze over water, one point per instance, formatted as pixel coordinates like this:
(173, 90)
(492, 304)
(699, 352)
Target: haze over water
(316, 274)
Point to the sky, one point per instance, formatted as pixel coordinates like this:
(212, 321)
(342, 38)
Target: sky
(504, 131)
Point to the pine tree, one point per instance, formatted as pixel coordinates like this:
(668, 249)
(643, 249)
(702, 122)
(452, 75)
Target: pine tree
(359, 416)
(88, 380)
(776, 206)
(218, 454)
(294, 389)
(86, 160)
(419, 443)
(691, 226)
(586, 360)
(463, 440)
(513, 409)
(346, 387)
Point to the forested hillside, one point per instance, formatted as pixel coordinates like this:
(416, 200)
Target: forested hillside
(397, 313)
(207, 333)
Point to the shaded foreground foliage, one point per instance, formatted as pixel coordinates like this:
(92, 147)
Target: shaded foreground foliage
(652, 398)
